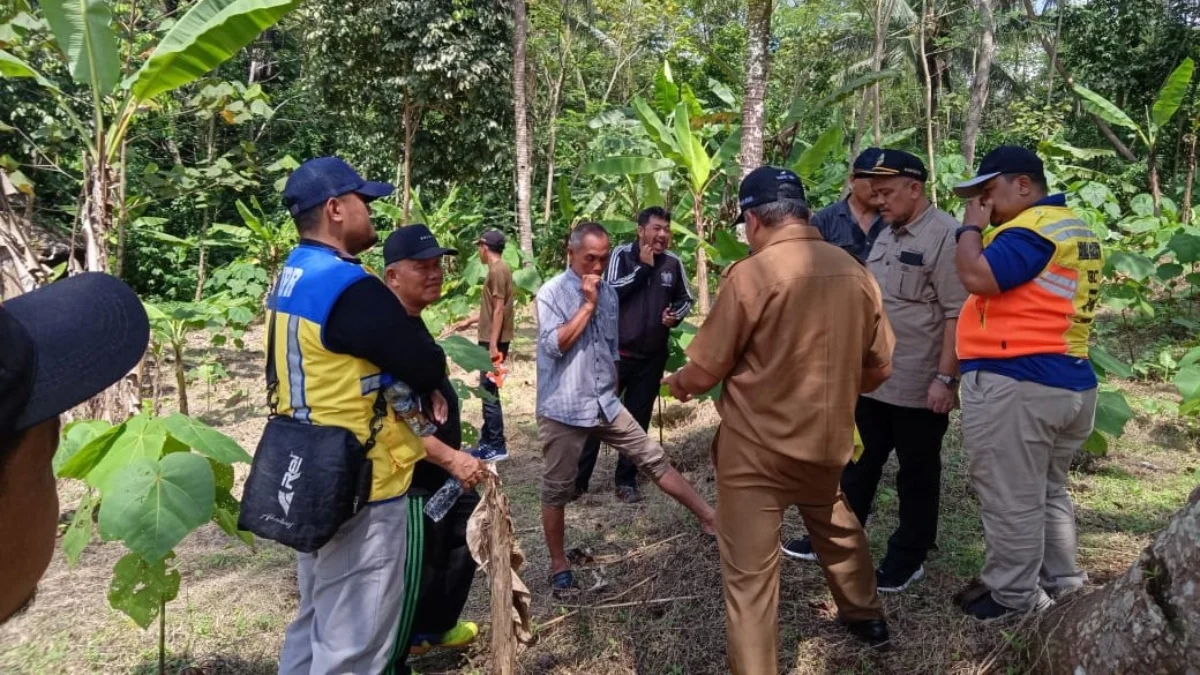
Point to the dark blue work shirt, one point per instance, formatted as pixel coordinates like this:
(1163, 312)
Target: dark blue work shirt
(839, 227)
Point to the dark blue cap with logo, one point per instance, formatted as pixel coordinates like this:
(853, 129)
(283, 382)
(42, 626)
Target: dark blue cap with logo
(318, 180)
(767, 184)
(889, 163)
(1010, 159)
(865, 160)
(413, 242)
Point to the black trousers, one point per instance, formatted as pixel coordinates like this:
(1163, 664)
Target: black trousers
(638, 383)
(916, 436)
(447, 570)
(492, 432)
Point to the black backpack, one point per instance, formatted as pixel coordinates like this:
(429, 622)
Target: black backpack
(306, 479)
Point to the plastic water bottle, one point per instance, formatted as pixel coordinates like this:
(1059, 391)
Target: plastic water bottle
(400, 397)
(443, 500)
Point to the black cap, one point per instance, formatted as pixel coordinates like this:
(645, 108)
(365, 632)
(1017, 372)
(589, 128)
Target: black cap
(888, 163)
(1004, 159)
(493, 239)
(64, 343)
(318, 180)
(412, 242)
(865, 160)
(767, 184)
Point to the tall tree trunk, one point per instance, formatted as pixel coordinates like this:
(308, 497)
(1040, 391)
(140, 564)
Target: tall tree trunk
(207, 216)
(1186, 213)
(1146, 622)
(122, 216)
(1152, 178)
(925, 18)
(701, 257)
(555, 98)
(877, 65)
(408, 119)
(180, 379)
(521, 110)
(1105, 130)
(979, 86)
(758, 67)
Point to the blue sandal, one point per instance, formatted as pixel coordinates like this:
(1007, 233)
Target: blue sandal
(563, 583)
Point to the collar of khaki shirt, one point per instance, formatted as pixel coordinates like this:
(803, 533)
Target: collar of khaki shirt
(805, 232)
(915, 224)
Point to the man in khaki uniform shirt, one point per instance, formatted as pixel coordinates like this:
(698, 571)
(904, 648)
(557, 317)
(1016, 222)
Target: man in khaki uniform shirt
(913, 261)
(797, 332)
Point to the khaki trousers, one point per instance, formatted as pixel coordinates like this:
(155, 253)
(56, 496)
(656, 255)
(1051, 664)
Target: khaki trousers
(755, 485)
(1020, 438)
(562, 444)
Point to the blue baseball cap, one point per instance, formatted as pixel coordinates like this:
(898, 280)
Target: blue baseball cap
(765, 185)
(318, 180)
(1006, 159)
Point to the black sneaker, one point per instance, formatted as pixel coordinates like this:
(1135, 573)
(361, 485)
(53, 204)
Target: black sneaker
(891, 578)
(985, 608)
(800, 549)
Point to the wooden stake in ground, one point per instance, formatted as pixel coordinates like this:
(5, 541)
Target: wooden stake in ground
(500, 542)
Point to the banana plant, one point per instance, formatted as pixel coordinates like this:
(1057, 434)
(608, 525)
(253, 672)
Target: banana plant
(206, 36)
(684, 154)
(1168, 102)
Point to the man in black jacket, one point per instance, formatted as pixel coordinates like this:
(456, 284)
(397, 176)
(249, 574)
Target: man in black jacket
(654, 298)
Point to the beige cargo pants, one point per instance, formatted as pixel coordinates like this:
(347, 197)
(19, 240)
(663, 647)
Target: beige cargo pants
(1020, 438)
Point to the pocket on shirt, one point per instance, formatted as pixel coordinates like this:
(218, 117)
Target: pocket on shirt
(906, 282)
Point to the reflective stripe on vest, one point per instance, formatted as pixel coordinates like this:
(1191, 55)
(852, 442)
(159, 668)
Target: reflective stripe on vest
(1050, 314)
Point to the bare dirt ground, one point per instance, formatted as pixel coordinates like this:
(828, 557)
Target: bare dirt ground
(235, 602)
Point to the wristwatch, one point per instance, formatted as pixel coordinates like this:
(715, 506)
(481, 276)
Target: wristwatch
(948, 380)
(966, 228)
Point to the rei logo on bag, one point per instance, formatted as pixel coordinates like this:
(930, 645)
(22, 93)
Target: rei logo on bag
(286, 490)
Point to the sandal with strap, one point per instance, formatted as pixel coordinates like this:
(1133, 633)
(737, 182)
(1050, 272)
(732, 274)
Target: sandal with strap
(563, 584)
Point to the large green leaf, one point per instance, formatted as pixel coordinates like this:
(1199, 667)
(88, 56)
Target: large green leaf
(75, 436)
(205, 440)
(1105, 109)
(1112, 412)
(11, 66)
(1172, 94)
(695, 157)
(466, 354)
(79, 533)
(142, 437)
(82, 29)
(1096, 444)
(730, 148)
(1107, 364)
(140, 588)
(654, 127)
(1134, 265)
(811, 159)
(628, 166)
(1187, 380)
(858, 83)
(1186, 247)
(152, 506)
(729, 249)
(651, 194)
(81, 461)
(666, 92)
(208, 35)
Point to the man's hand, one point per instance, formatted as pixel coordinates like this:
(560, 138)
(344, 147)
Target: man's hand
(441, 409)
(978, 213)
(495, 354)
(591, 285)
(646, 254)
(940, 398)
(467, 469)
(676, 388)
(669, 320)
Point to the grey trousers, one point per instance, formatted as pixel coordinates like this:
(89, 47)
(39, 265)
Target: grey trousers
(352, 597)
(1020, 438)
